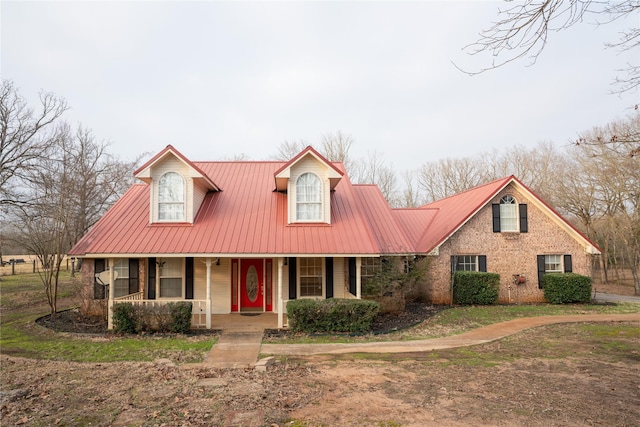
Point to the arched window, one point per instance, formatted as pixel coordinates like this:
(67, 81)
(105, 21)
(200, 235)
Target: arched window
(308, 198)
(171, 197)
(508, 214)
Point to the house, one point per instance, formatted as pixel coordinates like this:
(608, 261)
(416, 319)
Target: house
(248, 236)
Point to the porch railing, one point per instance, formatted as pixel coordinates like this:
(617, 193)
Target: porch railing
(198, 312)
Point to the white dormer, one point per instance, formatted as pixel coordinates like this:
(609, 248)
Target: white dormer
(308, 180)
(178, 187)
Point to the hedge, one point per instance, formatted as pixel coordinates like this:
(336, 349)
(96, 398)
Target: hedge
(564, 288)
(470, 287)
(331, 315)
(171, 317)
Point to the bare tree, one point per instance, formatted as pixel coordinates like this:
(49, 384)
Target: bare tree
(449, 176)
(26, 136)
(522, 31)
(336, 147)
(289, 149)
(374, 170)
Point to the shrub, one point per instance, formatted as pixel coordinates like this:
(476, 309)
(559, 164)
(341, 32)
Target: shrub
(124, 318)
(564, 288)
(331, 315)
(180, 316)
(172, 317)
(470, 287)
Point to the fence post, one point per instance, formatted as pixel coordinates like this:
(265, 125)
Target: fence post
(13, 267)
(34, 265)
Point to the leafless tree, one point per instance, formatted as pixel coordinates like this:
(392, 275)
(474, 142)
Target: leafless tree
(374, 170)
(449, 176)
(289, 149)
(336, 147)
(26, 137)
(522, 31)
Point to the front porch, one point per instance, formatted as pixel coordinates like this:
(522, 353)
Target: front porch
(202, 318)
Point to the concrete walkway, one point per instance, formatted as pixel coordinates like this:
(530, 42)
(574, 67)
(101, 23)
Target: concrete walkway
(602, 297)
(240, 344)
(477, 336)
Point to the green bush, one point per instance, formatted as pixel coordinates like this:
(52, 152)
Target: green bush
(331, 315)
(172, 317)
(124, 318)
(564, 288)
(470, 287)
(180, 316)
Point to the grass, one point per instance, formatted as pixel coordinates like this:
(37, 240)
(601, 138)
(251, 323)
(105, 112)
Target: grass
(23, 301)
(457, 320)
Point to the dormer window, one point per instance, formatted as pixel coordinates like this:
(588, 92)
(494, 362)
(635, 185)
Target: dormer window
(171, 194)
(308, 197)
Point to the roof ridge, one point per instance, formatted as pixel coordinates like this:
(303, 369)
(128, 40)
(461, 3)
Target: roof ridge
(477, 187)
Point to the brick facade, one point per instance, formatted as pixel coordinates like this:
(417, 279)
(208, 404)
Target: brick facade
(507, 253)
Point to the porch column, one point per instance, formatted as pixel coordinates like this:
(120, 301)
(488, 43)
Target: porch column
(280, 303)
(208, 304)
(358, 277)
(111, 292)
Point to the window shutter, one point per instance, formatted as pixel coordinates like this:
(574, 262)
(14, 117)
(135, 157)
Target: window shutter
(540, 270)
(293, 284)
(524, 223)
(188, 280)
(568, 268)
(482, 263)
(328, 267)
(454, 263)
(134, 275)
(495, 209)
(352, 276)
(98, 288)
(151, 279)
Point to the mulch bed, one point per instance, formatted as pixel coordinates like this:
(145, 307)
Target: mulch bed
(72, 321)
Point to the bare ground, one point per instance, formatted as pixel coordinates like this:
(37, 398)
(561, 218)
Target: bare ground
(558, 375)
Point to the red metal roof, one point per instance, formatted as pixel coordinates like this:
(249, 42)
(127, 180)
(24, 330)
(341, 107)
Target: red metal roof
(247, 218)
(385, 231)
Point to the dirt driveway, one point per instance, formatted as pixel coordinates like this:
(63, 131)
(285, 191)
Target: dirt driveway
(568, 374)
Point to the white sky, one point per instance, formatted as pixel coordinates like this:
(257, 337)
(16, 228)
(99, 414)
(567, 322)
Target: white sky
(217, 79)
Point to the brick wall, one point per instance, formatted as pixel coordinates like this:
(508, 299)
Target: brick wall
(507, 253)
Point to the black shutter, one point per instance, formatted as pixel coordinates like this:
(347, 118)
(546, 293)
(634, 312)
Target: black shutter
(151, 279)
(524, 223)
(352, 277)
(328, 268)
(482, 263)
(293, 284)
(495, 210)
(188, 280)
(99, 288)
(540, 270)
(454, 263)
(568, 268)
(134, 275)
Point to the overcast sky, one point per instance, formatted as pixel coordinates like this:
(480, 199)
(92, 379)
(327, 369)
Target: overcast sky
(216, 79)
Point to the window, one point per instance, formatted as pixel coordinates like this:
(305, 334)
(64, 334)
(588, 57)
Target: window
(469, 263)
(171, 197)
(510, 217)
(553, 264)
(310, 277)
(171, 278)
(508, 214)
(369, 267)
(121, 285)
(308, 198)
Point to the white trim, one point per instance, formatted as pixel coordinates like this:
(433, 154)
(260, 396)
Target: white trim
(322, 275)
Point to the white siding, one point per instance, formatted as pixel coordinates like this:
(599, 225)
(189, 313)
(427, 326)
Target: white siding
(220, 284)
(199, 192)
(339, 278)
(310, 164)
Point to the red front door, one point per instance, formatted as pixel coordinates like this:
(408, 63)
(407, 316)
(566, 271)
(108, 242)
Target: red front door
(251, 285)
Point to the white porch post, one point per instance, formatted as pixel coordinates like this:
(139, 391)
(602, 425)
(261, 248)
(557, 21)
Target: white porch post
(280, 303)
(208, 305)
(358, 277)
(111, 289)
